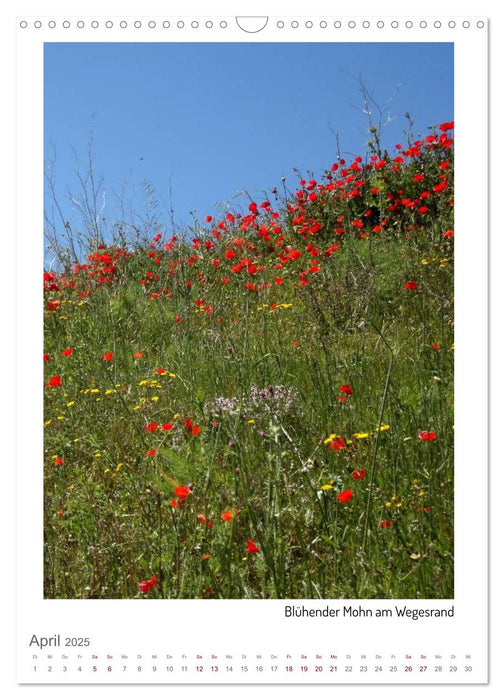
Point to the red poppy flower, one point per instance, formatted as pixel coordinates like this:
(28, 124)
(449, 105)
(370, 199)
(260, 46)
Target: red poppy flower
(251, 546)
(108, 356)
(193, 429)
(427, 435)
(182, 491)
(160, 371)
(435, 346)
(228, 515)
(174, 503)
(53, 305)
(385, 524)
(46, 357)
(411, 285)
(345, 496)
(359, 474)
(151, 427)
(151, 453)
(54, 381)
(58, 461)
(448, 234)
(145, 586)
(67, 352)
(337, 444)
(138, 355)
(346, 389)
(167, 426)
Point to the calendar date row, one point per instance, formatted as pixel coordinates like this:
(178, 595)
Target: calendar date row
(276, 668)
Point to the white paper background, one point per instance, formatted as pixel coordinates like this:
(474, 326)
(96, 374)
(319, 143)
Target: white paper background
(471, 257)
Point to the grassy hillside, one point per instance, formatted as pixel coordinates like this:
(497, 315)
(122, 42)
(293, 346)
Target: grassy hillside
(266, 410)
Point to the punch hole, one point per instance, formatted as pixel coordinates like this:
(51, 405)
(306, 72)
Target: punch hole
(152, 24)
(109, 24)
(195, 24)
(166, 24)
(394, 24)
(380, 24)
(95, 24)
(480, 24)
(309, 24)
(223, 24)
(366, 24)
(66, 24)
(123, 24)
(423, 24)
(452, 24)
(80, 24)
(466, 24)
(209, 24)
(408, 24)
(251, 25)
(337, 24)
(37, 24)
(352, 24)
(323, 24)
(52, 24)
(23, 24)
(137, 24)
(180, 25)
(437, 24)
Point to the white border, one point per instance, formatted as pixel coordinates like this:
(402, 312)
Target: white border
(474, 223)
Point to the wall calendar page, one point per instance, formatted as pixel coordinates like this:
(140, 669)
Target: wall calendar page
(257, 266)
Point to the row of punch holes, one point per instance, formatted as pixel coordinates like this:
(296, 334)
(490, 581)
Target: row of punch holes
(253, 24)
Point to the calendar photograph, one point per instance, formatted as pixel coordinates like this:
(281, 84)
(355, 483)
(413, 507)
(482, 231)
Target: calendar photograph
(249, 320)
(252, 326)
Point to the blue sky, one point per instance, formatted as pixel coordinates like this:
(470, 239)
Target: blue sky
(209, 120)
